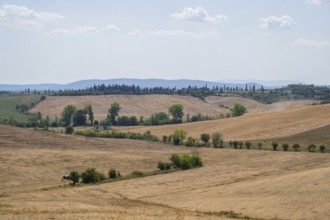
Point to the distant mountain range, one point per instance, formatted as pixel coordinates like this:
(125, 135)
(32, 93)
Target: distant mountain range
(180, 83)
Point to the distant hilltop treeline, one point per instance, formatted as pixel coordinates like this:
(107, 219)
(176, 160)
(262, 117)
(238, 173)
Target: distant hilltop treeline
(294, 91)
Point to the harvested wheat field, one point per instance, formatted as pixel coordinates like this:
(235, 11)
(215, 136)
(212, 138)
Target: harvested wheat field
(146, 105)
(258, 184)
(251, 127)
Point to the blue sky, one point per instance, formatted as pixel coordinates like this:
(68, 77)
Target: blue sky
(68, 40)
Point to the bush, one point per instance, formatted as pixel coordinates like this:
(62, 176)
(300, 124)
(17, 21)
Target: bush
(248, 145)
(311, 148)
(113, 174)
(285, 147)
(164, 166)
(191, 142)
(74, 177)
(186, 162)
(259, 146)
(92, 176)
(178, 137)
(137, 173)
(322, 149)
(217, 140)
(205, 138)
(175, 159)
(69, 129)
(296, 147)
(274, 145)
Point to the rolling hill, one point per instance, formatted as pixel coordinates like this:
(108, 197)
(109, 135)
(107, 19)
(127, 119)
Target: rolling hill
(261, 126)
(258, 184)
(146, 105)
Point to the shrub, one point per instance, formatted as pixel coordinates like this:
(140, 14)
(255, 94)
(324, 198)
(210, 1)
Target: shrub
(205, 138)
(137, 173)
(274, 145)
(175, 159)
(285, 147)
(259, 146)
(165, 139)
(178, 137)
(186, 162)
(217, 140)
(69, 129)
(113, 174)
(74, 177)
(235, 143)
(191, 142)
(164, 166)
(296, 147)
(311, 148)
(322, 149)
(92, 176)
(248, 144)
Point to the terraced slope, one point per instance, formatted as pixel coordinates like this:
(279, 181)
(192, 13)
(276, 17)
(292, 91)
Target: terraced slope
(146, 105)
(261, 184)
(250, 127)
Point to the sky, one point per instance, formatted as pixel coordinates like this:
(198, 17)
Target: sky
(69, 40)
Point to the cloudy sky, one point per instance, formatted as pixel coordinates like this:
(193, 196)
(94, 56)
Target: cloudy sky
(68, 40)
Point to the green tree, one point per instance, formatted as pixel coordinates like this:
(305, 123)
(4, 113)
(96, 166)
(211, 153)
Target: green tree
(238, 110)
(275, 145)
(296, 147)
(89, 111)
(176, 111)
(79, 117)
(178, 136)
(248, 145)
(67, 114)
(92, 176)
(259, 146)
(74, 177)
(113, 113)
(205, 138)
(285, 147)
(311, 148)
(322, 149)
(217, 140)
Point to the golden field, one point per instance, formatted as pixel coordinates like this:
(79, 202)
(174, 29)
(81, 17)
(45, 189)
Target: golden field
(146, 105)
(258, 184)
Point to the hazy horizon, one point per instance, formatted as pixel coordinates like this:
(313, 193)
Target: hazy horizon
(65, 41)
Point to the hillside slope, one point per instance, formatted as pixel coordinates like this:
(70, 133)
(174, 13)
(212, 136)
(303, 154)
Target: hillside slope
(250, 127)
(146, 105)
(259, 184)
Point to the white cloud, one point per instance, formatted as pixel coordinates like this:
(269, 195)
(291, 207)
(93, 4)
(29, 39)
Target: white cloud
(175, 33)
(318, 2)
(285, 22)
(310, 43)
(85, 30)
(20, 16)
(198, 14)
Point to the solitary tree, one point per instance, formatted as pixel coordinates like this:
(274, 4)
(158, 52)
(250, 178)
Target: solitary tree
(238, 110)
(89, 111)
(217, 140)
(205, 138)
(176, 111)
(67, 114)
(113, 113)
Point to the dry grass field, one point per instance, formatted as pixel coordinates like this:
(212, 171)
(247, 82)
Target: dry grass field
(260, 126)
(261, 184)
(146, 105)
